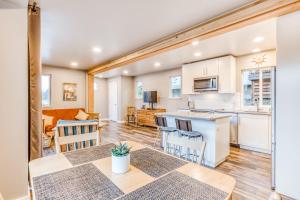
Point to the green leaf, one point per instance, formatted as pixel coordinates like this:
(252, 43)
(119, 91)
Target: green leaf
(121, 150)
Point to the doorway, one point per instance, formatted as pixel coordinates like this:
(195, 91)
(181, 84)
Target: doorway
(113, 100)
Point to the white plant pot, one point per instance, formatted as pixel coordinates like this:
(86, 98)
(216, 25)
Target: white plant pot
(120, 165)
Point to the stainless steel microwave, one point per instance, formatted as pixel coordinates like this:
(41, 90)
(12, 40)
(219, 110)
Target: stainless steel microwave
(206, 84)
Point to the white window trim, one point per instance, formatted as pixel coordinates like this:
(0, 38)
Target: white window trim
(261, 106)
(50, 91)
(170, 87)
(136, 87)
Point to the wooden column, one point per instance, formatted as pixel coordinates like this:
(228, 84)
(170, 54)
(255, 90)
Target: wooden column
(90, 93)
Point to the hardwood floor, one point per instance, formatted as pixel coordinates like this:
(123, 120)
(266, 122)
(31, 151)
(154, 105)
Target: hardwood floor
(251, 170)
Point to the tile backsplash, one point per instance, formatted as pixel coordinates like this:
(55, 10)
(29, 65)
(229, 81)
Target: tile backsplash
(201, 101)
(216, 101)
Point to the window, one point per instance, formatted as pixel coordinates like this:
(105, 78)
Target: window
(257, 88)
(46, 87)
(139, 90)
(175, 89)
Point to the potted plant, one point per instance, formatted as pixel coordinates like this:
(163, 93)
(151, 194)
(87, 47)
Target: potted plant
(120, 158)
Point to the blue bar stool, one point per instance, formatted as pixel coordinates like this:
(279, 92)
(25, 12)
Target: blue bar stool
(192, 139)
(185, 129)
(163, 129)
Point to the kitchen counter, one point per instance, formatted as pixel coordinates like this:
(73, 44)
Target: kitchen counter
(230, 111)
(215, 129)
(196, 115)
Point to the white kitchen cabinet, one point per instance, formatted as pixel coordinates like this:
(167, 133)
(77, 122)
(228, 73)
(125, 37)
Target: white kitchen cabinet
(227, 74)
(254, 132)
(211, 67)
(188, 75)
(223, 67)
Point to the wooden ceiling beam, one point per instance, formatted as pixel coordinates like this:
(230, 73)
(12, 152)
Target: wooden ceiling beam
(251, 13)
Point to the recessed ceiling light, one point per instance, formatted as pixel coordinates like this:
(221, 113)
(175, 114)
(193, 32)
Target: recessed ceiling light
(258, 39)
(74, 64)
(97, 50)
(256, 50)
(157, 64)
(195, 43)
(125, 72)
(198, 54)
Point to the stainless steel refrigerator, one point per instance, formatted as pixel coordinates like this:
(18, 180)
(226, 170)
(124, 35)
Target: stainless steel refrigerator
(273, 90)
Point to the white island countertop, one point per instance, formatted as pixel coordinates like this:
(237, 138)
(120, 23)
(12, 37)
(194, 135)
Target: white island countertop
(196, 115)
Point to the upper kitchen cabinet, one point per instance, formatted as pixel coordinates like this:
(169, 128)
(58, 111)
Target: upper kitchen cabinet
(211, 67)
(227, 74)
(224, 68)
(189, 72)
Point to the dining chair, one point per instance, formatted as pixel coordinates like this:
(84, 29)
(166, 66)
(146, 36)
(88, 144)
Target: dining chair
(131, 115)
(74, 135)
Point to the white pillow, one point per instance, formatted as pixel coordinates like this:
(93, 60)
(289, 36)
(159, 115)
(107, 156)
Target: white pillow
(81, 115)
(48, 120)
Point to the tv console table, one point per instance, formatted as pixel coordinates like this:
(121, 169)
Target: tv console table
(146, 117)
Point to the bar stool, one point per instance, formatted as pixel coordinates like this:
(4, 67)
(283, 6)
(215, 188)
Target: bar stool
(191, 142)
(163, 129)
(185, 129)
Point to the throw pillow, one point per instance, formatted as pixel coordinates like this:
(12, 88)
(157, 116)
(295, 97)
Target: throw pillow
(81, 115)
(48, 120)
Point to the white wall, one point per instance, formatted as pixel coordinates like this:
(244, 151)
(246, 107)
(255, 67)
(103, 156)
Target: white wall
(63, 75)
(160, 82)
(246, 62)
(127, 95)
(288, 105)
(101, 97)
(14, 104)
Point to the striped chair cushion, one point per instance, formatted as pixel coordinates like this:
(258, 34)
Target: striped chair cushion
(75, 130)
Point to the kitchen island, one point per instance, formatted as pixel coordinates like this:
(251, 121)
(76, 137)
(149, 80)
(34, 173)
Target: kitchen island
(215, 128)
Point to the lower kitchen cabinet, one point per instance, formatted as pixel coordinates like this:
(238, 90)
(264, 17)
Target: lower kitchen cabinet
(254, 132)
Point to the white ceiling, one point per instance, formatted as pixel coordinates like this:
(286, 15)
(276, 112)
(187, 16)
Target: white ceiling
(238, 42)
(71, 28)
(13, 3)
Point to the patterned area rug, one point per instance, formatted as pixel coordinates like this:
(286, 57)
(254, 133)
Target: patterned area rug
(176, 186)
(153, 162)
(89, 154)
(82, 182)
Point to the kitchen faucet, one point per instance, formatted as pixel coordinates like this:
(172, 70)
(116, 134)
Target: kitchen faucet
(256, 100)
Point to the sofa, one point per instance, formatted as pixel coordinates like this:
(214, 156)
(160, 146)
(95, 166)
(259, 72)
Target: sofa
(63, 114)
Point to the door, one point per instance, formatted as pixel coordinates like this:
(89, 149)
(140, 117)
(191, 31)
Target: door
(113, 100)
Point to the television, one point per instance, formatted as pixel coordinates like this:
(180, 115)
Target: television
(150, 97)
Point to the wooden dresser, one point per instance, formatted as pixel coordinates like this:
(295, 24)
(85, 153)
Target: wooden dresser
(146, 117)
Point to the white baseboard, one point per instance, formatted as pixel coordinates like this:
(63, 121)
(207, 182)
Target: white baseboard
(104, 119)
(23, 198)
(20, 198)
(119, 121)
(266, 151)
